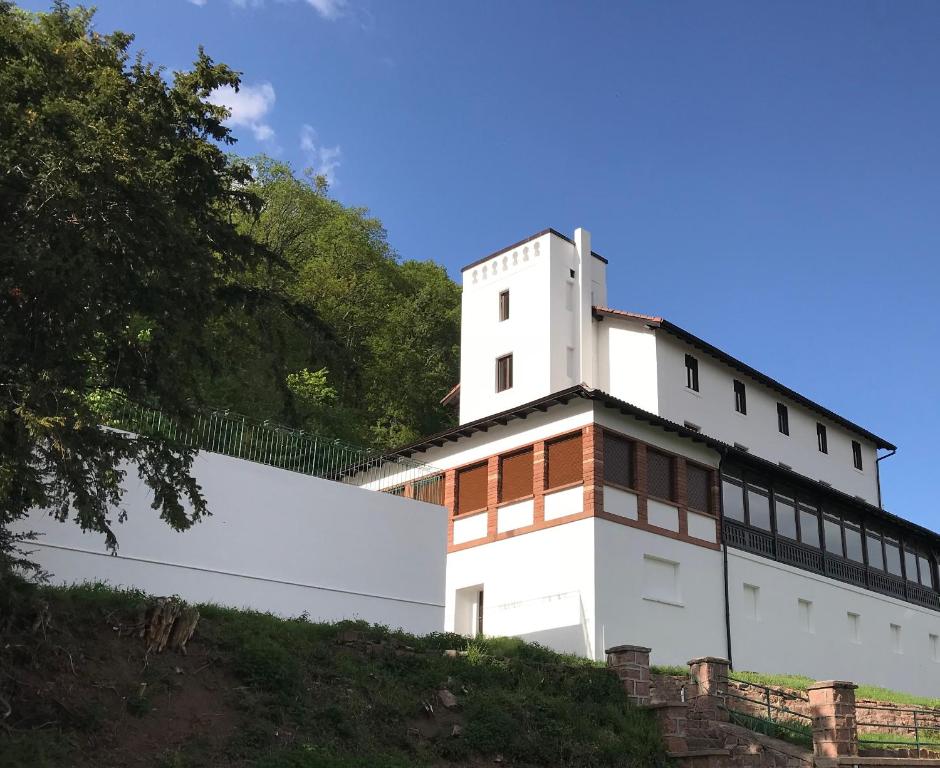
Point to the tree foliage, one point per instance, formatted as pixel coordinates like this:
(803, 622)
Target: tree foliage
(140, 262)
(335, 334)
(117, 244)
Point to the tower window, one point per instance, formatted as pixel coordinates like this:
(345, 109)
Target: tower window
(857, 454)
(783, 419)
(740, 397)
(503, 305)
(503, 373)
(691, 373)
(821, 441)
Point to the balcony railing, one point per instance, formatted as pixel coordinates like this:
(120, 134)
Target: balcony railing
(272, 444)
(811, 559)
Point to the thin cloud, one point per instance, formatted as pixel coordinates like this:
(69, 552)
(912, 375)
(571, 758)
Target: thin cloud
(249, 106)
(328, 9)
(323, 160)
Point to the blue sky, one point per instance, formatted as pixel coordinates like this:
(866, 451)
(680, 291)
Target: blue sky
(764, 174)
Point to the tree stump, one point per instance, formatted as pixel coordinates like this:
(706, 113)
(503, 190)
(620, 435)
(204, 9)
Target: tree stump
(167, 621)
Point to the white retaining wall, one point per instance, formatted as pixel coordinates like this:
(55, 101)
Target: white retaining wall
(787, 620)
(277, 541)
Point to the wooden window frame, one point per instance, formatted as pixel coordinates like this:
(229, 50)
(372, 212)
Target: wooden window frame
(457, 475)
(740, 397)
(708, 488)
(579, 433)
(501, 498)
(504, 379)
(504, 305)
(673, 497)
(691, 373)
(857, 456)
(783, 419)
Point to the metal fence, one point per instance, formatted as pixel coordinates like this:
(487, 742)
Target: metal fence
(278, 446)
(762, 708)
(906, 728)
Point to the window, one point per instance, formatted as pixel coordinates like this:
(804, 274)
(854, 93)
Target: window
(855, 634)
(926, 572)
(934, 642)
(809, 525)
(785, 510)
(503, 373)
(783, 419)
(398, 490)
(697, 486)
(853, 542)
(503, 305)
(758, 507)
(565, 461)
(691, 373)
(661, 580)
(876, 555)
(752, 601)
(857, 454)
(833, 531)
(896, 638)
(515, 475)
(804, 611)
(740, 397)
(471, 489)
(910, 565)
(821, 441)
(430, 489)
(892, 556)
(618, 461)
(732, 499)
(660, 475)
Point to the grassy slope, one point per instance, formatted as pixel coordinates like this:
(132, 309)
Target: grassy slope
(259, 691)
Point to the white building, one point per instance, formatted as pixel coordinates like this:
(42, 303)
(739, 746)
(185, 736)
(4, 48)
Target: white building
(615, 479)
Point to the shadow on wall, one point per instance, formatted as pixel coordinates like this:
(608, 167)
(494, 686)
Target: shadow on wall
(562, 639)
(557, 621)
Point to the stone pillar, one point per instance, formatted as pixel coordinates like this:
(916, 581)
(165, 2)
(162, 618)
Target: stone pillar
(592, 447)
(832, 707)
(632, 665)
(710, 676)
(673, 724)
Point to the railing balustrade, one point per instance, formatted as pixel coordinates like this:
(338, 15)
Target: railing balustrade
(278, 446)
(741, 536)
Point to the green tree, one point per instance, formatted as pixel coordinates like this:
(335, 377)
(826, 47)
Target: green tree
(341, 315)
(117, 246)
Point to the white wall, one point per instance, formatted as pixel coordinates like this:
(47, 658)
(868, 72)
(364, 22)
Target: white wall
(777, 640)
(638, 605)
(712, 408)
(626, 362)
(277, 541)
(547, 308)
(525, 272)
(539, 586)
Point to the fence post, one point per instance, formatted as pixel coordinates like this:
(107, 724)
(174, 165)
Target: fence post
(832, 706)
(632, 665)
(710, 676)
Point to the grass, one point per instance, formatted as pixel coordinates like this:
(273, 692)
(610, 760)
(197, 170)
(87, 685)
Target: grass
(889, 739)
(873, 692)
(792, 730)
(300, 694)
(668, 669)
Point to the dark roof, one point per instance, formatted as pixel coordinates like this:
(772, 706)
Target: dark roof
(704, 346)
(580, 391)
(523, 242)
